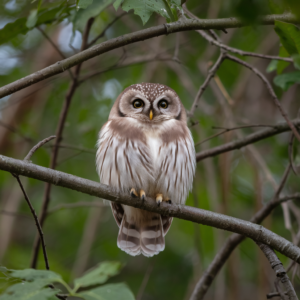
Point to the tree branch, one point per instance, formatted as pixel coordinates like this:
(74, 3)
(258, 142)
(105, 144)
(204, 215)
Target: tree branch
(37, 146)
(250, 139)
(211, 74)
(131, 38)
(233, 241)
(39, 228)
(59, 130)
(270, 90)
(256, 232)
(279, 270)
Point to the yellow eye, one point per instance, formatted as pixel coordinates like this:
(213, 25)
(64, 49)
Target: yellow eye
(138, 103)
(163, 104)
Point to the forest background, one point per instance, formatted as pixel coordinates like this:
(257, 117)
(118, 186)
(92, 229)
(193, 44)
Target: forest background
(236, 81)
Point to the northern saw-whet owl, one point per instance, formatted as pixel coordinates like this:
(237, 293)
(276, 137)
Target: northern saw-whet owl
(146, 148)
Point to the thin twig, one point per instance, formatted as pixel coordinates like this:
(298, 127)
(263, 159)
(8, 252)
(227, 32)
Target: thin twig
(230, 129)
(40, 144)
(291, 159)
(72, 147)
(275, 294)
(39, 228)
(14, 130)
(134, 61)
(92, 42)
(233, 241)
(250, 139)
(270, 90)
(279, 270)
(202, 88)
(55, 47)
(145, 281)
(219, 44)
(59, 131)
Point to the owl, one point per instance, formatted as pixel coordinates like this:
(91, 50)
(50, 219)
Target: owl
(146, 149)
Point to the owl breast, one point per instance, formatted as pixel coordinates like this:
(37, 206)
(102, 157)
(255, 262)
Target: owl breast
(159, 159)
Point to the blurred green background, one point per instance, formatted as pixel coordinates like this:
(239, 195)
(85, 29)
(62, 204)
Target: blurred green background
(235, 183)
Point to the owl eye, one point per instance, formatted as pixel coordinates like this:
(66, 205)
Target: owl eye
(163, 104)
(138, 103)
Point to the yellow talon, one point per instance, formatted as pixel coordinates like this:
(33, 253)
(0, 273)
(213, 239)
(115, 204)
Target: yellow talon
(133, 193)
(142, 194)
(159, 199)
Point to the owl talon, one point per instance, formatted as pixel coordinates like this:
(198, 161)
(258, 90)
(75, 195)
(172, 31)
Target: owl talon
(169, 201)
(142, 195)
(159, 199)
(133, 193)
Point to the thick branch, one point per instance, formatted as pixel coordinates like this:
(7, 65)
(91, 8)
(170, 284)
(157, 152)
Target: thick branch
(250, 139)
(233, 241)
(131, 38)
(279, 270)
(256, 232)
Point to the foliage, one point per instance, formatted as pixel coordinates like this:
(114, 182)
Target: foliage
(38, 284)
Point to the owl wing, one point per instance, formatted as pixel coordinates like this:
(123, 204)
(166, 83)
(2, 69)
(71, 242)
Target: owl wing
(177, 163)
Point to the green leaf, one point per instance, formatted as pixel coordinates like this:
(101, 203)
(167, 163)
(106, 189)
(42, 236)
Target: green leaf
(84, 3)
(281, 63)
(23, 25)
(272, 66)
(32, 274)
(117, 4)
(11, 30)
(32, 19)
(289, 36)
(287, 80)
(83, 15)
(30, 291)
(113, 291)
(296, 59)
(145, 8)
(98, 275)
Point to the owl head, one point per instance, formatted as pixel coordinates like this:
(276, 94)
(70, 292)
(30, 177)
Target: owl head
(148, 102)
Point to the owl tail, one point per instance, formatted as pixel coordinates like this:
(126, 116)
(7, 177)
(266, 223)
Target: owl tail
(144, 235)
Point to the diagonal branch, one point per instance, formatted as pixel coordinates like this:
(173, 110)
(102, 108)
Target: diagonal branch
(270, 90)
(39, 228)
(233, 241)
(59, 132)
(131, 38)
(279, 270)
(250, 139)
(256, 232)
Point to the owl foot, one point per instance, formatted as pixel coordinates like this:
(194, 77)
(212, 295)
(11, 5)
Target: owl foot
(169, 201)
(159, 199)
(133, 193)
(142, 195)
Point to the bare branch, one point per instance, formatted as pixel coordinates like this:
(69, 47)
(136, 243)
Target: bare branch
(54, 46)
(131, 38)
(37, 146)
(279, 270)
(105, 29)
(234, 240)
(250, 139)
(270, 90)
(211, 74)
(230, 129)
(59, 130)
(256, 232)
(39, 228)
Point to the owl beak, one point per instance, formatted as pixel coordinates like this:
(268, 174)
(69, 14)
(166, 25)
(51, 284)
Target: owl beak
(151, 114)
